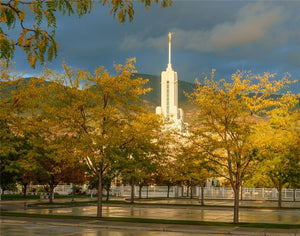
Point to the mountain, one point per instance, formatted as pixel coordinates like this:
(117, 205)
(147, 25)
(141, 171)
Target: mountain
(153, 97)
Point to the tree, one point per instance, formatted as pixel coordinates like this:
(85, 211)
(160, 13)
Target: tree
(94, 110)
(167, 174)
(23, 168)
(191, 167)
(143, 154)
(279, 146)
(226, 121)
(13, 105)
(34, 143)
(37, 39)
(110, 174)
(51, 156)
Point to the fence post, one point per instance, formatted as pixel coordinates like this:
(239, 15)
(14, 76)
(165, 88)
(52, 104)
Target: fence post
(285, 193)
(147, 191)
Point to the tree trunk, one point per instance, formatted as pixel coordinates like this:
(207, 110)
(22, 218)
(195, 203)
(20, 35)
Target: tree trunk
(99, 203)
(202, 195)
(52, 186)
(279, 189)
(187, 191)
(107, 194)
(132, 190)
(236, 204)
(191, 191)
(51, 193)
(73, 192)
(241, 192)
(140, 191)
(168, 193)
(294, 194)
(107, 188)
(147, 191)
(25, 189)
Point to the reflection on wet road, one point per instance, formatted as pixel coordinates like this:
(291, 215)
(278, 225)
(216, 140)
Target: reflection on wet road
(46, 230)
(186, 213)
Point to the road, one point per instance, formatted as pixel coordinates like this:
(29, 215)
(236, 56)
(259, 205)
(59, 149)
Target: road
(178, 213)
(20, 226)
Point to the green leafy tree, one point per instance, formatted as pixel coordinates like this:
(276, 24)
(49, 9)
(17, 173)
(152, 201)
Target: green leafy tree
(36, 22)
(224, 127)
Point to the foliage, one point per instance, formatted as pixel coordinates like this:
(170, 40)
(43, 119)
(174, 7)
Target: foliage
(12, 105)
(225, 125)
(191, 166)
(279, 146)
(98, 114)
(76, 118)
(34, 146)
(143, 155)
(36, 21)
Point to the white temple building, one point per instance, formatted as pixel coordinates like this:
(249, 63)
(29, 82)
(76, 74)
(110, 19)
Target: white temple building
(169, 96)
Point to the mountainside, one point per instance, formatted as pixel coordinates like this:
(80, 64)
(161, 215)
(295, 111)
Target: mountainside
(153, 97)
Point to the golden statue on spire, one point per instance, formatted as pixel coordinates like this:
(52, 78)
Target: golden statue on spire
(170, 36)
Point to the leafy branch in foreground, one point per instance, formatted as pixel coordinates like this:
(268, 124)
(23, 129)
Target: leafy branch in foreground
(36, 22)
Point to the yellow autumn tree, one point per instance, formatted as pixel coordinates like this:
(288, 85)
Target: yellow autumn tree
(143, 155)
(192, 167)
(34, 145)
(15, 109)
(224, 126)
(96, 111)
(278, 142)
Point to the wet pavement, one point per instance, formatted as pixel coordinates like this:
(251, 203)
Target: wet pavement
(10, 229)
(172, 212)
(287, 216)
(12, 226)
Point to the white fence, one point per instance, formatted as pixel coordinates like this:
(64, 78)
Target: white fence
(209, 192)
(251, 193)
(177, 191)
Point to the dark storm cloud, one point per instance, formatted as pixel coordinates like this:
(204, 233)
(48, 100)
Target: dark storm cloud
(253, 23)
(225, 35)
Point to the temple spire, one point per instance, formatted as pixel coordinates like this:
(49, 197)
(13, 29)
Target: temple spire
(169, 95)
(170, 41)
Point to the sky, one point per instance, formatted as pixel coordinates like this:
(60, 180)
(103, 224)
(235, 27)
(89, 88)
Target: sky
(256, 36)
